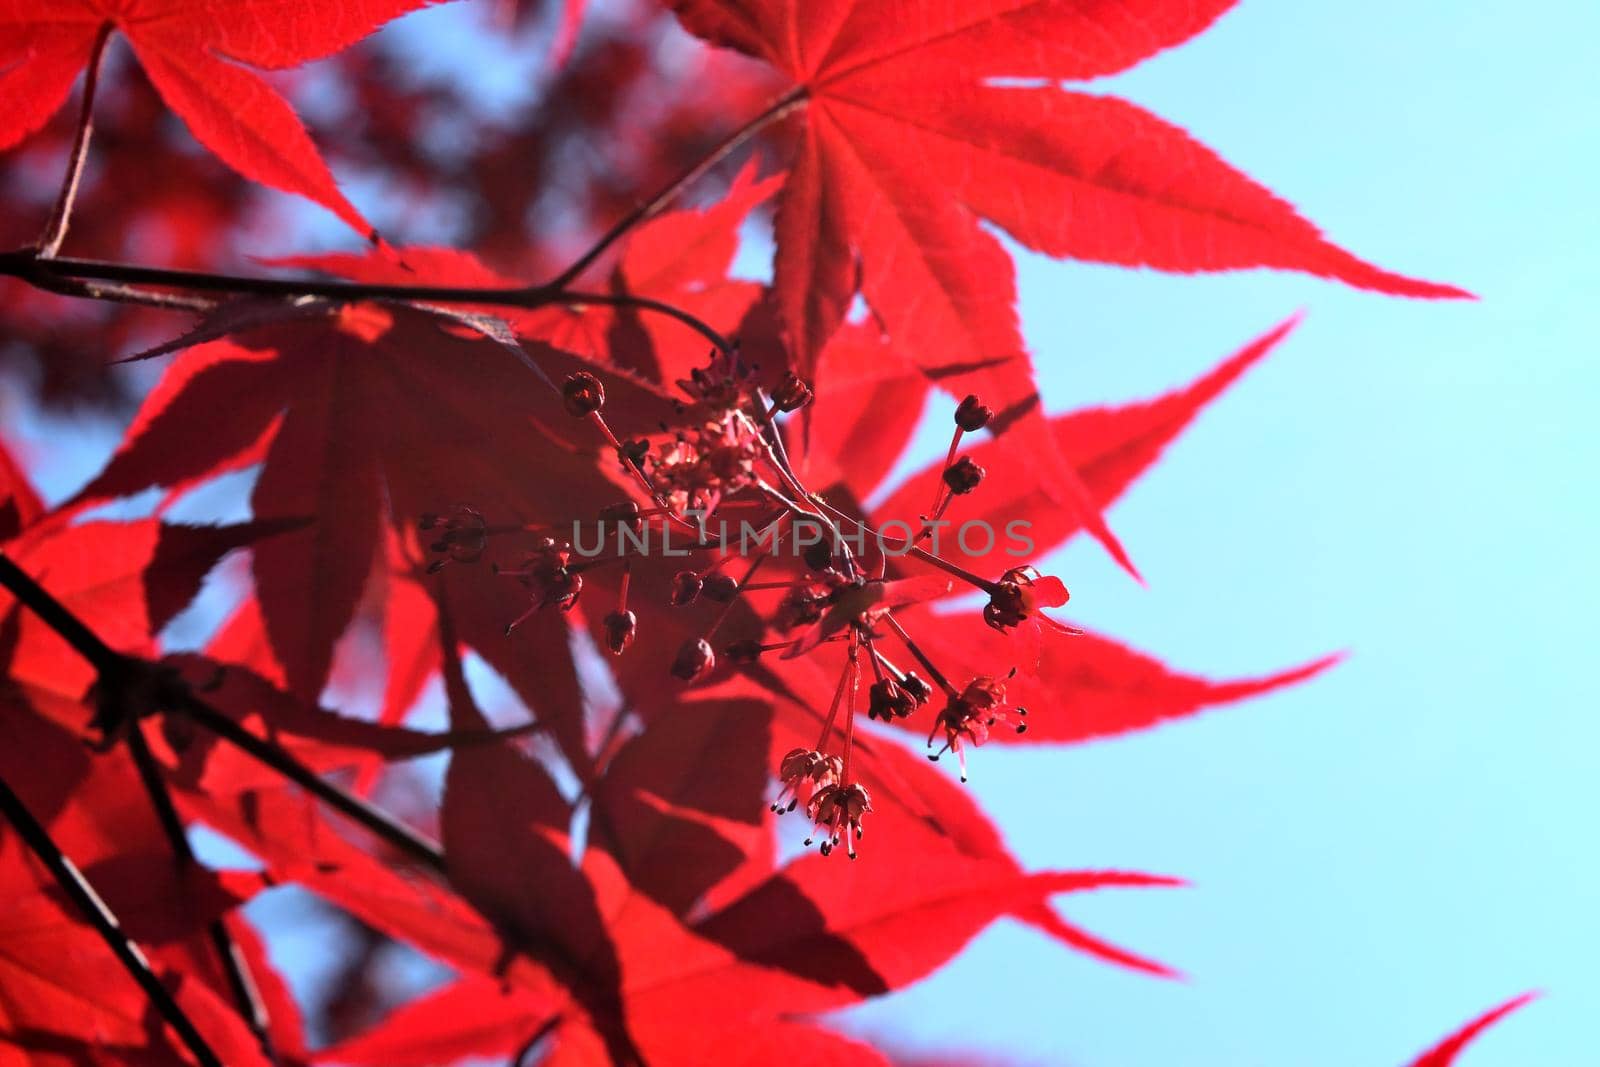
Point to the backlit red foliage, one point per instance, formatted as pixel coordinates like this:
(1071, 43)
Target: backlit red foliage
(437, 437)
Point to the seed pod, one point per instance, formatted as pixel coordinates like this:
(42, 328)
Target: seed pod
(583, 394)
(461, 536)
(801, 606)
(694, 660)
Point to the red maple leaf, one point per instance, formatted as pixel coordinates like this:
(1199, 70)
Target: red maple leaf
(599, 868)
(907, 143)
(199, 55)
(399, 412)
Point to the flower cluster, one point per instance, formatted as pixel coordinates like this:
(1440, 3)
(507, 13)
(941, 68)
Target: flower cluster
(732, 451)
(968, 716)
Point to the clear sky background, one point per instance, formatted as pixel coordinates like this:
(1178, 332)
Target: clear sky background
(1384, 852)
(1387, 851)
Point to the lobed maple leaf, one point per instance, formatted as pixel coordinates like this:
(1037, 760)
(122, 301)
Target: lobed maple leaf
(1109, 447)
(62, 992)
(397, 412)
(126, 579)
(608, 887)
(199, 55)
(907, 142)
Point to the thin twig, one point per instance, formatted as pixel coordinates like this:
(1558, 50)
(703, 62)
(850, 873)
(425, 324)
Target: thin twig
(241, 984)
(374, 819)
(112, 667)
(75, 886)
(55, 230)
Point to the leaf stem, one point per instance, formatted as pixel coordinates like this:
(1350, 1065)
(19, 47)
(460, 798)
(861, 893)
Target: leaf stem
(55, 230)
(779, 108)
(78, 889)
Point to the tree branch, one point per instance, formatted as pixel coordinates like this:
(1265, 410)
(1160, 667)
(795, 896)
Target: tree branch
(61, 273)
(78, 889)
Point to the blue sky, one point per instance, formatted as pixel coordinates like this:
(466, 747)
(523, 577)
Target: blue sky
(1378, 855)
(1385, 852)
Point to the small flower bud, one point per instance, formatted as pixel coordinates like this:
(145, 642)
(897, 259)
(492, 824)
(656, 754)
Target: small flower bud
(694, 660)
(685, 588)
(972, 415)
(620, 628)
(746, 651)
(583, 394)
(818, 557)
(888, 701)
(632, 452)
(919, 690)
(792, 393)
(963, 476)
(721, 588)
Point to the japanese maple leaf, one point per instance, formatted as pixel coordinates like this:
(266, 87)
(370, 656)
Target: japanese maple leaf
(683, 258)
(199, 55)
(1108, 446)
(933, 812)
(1077, 688)
(869, 401)
(908, 143)
(392, 412)
(64, 998)
(61, 990)
(127, 580)
(673, 828)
